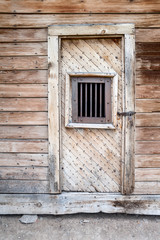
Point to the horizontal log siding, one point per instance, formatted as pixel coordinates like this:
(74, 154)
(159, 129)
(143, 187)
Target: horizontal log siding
(23, 111)
(23, 90)
(147, 162)
(76, 6)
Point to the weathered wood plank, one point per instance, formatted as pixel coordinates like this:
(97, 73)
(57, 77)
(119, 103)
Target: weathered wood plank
(89, 6)
(23, 35)
(23, 132)
(23, 90)
(147, 161)
(147, 174)
(150, 134)
(54, 112)
(29, 76)
(150, 62)
(24, 186)
(90, 29)
(147, 188)
(22, 146)
(23, 160)
(23, 49)
(147, 147)
(148, 91)
(129, 124)
(148, 119)
(23, 63)
(23, 118)
(25, 173)
(147, 77)
(151, 35)
(148, 49)
(69, 203)
(40, 35)
(23, 104)
(147, 105)
(44, 20)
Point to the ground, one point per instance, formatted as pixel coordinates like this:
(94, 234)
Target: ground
(82, 227)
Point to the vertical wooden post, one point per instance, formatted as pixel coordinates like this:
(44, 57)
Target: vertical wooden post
(54, 113)
(129, 122)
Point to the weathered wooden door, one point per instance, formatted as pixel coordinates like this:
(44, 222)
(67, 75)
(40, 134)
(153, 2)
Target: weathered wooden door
(94, 158)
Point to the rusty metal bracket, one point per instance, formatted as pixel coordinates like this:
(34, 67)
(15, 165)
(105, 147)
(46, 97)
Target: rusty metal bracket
(125, 114)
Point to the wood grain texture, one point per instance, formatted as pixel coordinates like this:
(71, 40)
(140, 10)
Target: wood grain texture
(147, 105)
(23, 90)
(23, 35)
(24, 186)
(40, 35)
(23, 132)
(147, 77)
(147, 147)
(91, 170)
(23, 104)
(29, 76)
(54, 111)
(23, 118)
(69, 203)
(148, 49)
(147, 188)
(129, 122)
(150, 62)
(150, 134)
(75, 6)
(45, 20)
(147, 161)
(148, 119)
(25, 173)
(23, 63)
(90, 29)
(151, 35)
(148, 91)
(147, 174)
(23, 146)
(23, 49)
(23, 160)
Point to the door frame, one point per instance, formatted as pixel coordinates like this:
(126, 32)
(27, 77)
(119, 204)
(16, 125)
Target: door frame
(55, 33)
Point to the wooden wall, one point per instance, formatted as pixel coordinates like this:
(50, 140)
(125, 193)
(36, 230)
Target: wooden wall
(23, 86)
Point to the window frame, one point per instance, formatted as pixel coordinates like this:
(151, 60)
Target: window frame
(68, 101)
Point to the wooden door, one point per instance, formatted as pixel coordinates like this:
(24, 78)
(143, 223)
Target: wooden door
(85, 158)
(91, 158)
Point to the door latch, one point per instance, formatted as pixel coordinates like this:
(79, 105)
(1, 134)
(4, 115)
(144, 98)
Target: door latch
(125, 114)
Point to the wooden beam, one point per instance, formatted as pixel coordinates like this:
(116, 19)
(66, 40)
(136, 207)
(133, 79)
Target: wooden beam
(23, 160)
(22, 76)
(24, 90)
(148, 119)
(23, 118)
(23, 63)
(88, 6)
(23, 104)
(23, 49)
(54, 111)
(45, 20)
(22, 146)
(90, 29)
(70, 203)
(129, 122)
(24, 186)
(23, 35)
(23, 132)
